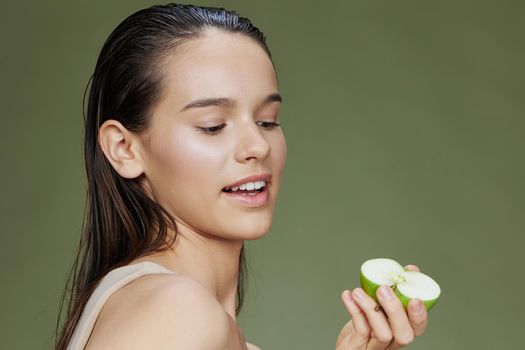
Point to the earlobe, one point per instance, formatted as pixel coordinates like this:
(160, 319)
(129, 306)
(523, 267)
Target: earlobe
(120, 147)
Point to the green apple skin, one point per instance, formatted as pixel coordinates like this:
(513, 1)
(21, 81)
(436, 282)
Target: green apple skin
(404, 300)
(371, 289)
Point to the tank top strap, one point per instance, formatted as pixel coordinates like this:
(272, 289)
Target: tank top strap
(109, 284)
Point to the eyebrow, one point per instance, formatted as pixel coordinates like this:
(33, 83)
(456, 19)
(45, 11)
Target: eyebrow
(227, 102)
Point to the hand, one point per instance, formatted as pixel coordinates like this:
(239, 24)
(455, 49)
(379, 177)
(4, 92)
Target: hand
(372, 329)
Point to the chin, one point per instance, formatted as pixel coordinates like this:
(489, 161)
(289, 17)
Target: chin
(255, 235)
(250, 231)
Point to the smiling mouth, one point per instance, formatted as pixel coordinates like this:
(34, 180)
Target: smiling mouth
(254, 198)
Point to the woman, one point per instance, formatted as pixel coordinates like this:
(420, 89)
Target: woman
(184, 156)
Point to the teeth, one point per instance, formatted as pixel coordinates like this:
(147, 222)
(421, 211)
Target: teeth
(250, 186)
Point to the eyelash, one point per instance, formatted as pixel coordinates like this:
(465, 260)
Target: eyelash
(215, 129)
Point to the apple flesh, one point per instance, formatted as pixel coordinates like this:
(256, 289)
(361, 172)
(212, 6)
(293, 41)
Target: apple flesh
(406, 284)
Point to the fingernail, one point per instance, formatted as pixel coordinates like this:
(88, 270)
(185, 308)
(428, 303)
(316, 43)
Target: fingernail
(346, 295)
(386, 293)
(417, 307)
(359, 294)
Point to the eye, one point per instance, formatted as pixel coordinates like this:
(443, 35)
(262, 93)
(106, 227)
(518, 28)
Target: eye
(211, 130)
(268, 125)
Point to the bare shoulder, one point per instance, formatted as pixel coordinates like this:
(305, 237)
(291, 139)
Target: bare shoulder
(161, 312)
(252, 347)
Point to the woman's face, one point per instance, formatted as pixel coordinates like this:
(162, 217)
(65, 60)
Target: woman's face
(187, 169)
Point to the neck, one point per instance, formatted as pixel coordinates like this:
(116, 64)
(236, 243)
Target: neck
(211, 261)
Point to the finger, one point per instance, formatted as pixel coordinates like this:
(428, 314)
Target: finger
(413, 268)
(402, 331)
(360, 324)
(417, 314)
(376, 319)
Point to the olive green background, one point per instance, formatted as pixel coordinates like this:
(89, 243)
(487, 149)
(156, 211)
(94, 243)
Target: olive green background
(405, 129)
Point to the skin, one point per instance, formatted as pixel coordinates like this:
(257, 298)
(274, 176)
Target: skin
(185, 170)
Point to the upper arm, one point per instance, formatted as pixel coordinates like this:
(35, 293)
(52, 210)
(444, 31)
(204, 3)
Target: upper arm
(176, 314)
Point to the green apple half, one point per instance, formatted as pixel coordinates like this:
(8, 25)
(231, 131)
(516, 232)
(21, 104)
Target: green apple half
(405, 283)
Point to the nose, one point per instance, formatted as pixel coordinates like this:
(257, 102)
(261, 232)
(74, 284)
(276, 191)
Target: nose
(252, 142)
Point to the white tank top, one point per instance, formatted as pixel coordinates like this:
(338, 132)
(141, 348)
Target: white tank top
(109, 284)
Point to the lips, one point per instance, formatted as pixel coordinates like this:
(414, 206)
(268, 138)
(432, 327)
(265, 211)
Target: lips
(250, 198)
(257, 199)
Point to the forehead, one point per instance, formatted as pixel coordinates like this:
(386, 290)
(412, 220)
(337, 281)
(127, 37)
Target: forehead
(219, 64)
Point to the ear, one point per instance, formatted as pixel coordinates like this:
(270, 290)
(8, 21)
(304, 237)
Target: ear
(121, 148)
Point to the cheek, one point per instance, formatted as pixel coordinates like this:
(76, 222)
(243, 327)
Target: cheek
(182, 163)
(280, 154)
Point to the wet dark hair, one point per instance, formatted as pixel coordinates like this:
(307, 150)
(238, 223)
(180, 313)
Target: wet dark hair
(121, 221)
